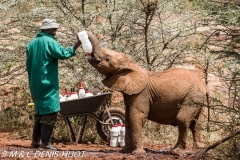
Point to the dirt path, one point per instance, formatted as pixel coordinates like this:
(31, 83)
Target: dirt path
(14, 147)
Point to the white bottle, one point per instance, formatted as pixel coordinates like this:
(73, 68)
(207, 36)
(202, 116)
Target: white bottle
(114, 136)
(101, 92)
(88, 93)
(86, 44)
(122, 136)
(61, 98)
(74, 95)
(81, 91)
(122, 130)
(67, 95)
(119, 128)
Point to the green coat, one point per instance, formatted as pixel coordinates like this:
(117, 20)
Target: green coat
(42, 54)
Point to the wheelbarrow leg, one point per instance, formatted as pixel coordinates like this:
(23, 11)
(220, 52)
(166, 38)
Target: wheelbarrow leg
(81, 128)
(69, 129)
(79, 131)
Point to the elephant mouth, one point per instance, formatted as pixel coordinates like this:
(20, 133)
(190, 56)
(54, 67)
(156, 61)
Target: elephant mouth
(92, 59)
(105, 77)
(96, 64)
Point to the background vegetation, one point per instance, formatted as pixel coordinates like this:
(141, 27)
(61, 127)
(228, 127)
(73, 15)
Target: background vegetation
(202, 35)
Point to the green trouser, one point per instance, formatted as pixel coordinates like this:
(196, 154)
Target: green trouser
(47, 119)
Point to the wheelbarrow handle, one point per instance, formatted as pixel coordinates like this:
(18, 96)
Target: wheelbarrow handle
(30, 104)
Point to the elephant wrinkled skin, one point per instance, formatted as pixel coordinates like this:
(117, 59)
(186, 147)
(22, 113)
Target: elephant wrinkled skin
(174, 97)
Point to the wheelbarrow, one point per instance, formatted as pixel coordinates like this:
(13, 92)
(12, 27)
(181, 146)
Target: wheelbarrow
(85, 107)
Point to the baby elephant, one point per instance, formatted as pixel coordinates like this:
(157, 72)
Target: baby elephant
(174, 97)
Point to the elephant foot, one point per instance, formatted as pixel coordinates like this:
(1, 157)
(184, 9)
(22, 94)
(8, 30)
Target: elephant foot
(139, 151)
(178, 151)
(198, 145)
(126, 150)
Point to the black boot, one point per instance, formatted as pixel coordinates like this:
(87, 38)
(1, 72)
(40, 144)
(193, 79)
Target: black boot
(36, 136)
(47, 131)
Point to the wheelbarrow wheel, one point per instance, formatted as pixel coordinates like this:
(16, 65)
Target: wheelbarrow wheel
(118, 116)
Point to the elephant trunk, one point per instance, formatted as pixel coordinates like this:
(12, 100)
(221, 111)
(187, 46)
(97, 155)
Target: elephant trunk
(96, 52)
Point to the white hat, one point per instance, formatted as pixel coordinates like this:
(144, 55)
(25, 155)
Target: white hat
(49, 24)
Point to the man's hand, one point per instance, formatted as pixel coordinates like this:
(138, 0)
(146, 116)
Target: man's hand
(77, 44)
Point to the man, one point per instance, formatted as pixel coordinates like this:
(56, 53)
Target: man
(42, 54)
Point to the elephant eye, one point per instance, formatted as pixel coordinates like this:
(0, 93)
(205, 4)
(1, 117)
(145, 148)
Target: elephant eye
(107, 59)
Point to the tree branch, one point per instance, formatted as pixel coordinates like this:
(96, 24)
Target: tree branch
(202, 151)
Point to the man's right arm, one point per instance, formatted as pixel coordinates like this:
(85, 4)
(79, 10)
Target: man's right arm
(77, 44)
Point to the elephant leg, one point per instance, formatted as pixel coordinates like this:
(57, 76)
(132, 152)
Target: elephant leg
(137, 121)
(183, 123)
(179, 148)
(186, 118)
(137, 110)
(128, 148)
(197, 132)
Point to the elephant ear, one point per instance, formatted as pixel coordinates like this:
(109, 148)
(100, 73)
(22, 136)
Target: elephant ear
(130, 79)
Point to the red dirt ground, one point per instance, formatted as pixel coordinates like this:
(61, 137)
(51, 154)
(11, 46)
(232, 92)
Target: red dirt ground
(15, 147)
